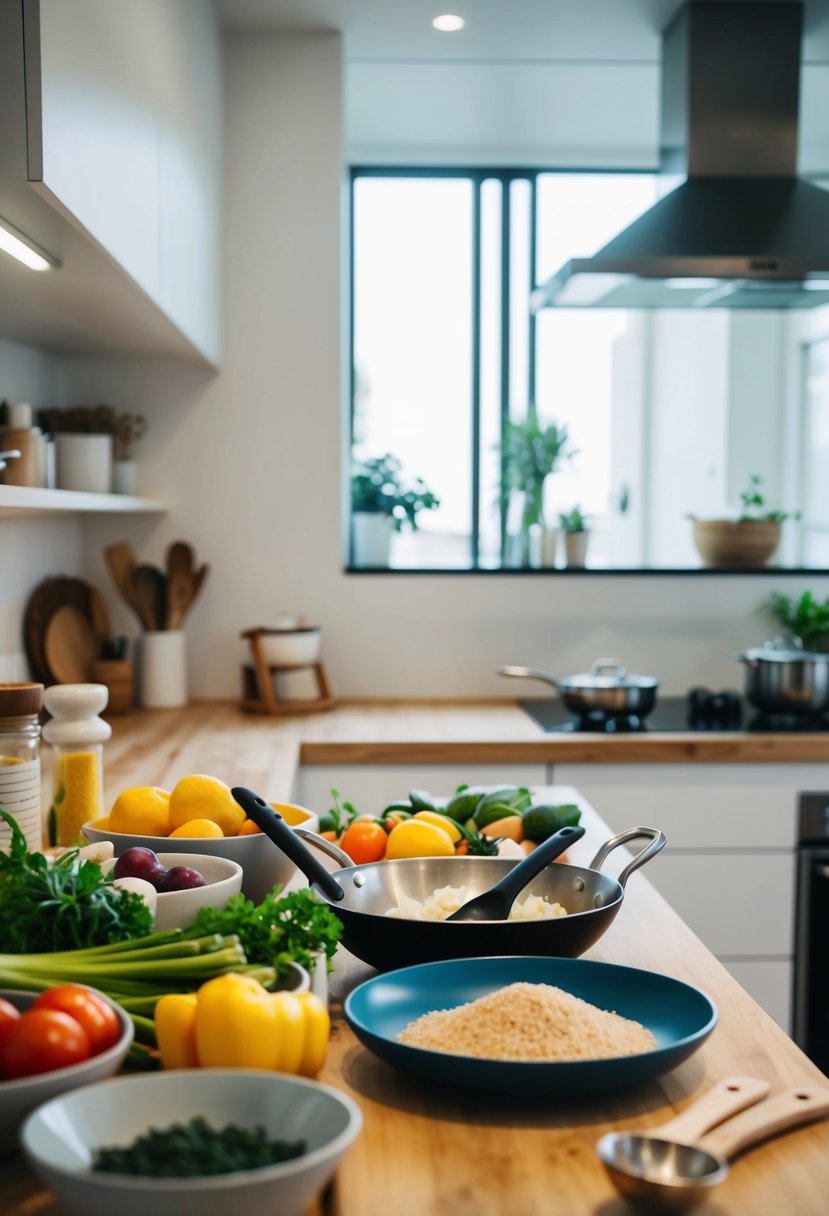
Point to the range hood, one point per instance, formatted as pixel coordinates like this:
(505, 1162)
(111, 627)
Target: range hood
(741, 230)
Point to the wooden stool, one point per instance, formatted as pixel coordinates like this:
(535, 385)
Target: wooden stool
(259, 690)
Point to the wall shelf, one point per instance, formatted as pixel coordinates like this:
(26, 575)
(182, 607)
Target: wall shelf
(26, 500)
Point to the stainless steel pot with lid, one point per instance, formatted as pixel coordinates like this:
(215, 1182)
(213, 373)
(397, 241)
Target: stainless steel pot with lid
(783, 678)
(608, 688)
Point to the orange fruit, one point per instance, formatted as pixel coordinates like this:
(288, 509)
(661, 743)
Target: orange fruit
(249, 828)
(198, 827)
(202, 797)
(142, 810)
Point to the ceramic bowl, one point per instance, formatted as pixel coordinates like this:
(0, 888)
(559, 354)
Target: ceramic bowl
(179, 909)
(18, 1098)
(60, 1138)
(296, 647)
(263, 864)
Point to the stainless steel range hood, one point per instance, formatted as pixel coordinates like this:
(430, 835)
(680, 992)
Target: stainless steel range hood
(741, 230)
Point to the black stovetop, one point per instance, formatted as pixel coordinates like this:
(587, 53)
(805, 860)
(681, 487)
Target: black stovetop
(716, 712)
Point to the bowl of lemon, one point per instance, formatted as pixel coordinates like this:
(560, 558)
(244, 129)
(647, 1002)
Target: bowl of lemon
(200, 815)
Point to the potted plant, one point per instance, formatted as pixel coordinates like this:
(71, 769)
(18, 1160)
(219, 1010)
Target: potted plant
(806, 618)
(749, 540)
(530, 452)
(576, 536)
(91, 443)
(382, 502)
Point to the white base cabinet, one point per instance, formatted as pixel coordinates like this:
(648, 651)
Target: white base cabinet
(728, 868)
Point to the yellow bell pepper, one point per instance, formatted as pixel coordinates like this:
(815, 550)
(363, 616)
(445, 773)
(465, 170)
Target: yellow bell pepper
(233, 1022)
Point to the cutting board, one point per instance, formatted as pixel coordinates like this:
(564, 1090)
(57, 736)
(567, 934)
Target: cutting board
(70, 645)
(47, 599)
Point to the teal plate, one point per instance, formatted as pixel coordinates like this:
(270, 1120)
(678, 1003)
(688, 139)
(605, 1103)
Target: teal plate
(680, 1016)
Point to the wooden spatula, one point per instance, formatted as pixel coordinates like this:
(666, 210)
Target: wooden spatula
(120, 560)
(180, 582)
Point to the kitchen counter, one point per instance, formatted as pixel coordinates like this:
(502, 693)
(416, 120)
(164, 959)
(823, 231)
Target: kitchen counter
(217, 737)
(425, 1151)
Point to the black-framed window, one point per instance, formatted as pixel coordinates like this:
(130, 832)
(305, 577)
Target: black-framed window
(445, 349)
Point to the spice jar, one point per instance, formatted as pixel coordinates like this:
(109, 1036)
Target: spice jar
(77, 736)
(20, 706)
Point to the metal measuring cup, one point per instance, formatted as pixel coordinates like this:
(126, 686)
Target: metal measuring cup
(677, 1165)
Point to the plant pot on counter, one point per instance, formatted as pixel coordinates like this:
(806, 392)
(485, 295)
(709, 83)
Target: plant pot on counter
(575, 549)
(371, 536)
(745, 543)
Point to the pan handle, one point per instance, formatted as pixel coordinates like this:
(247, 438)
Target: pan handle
(275, 827)
(657, 843)
(325, 846)
(531, 673)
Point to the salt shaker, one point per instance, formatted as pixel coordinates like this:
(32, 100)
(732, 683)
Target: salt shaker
(77, 736)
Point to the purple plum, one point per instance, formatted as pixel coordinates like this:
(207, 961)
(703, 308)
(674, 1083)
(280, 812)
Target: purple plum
(140, 863)
(180, 878)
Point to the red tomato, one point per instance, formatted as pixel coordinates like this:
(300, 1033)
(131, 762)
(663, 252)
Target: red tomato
(364, 841)
(98, 1018)
(41, 1041)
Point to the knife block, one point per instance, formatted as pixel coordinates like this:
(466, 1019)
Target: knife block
(259, 684)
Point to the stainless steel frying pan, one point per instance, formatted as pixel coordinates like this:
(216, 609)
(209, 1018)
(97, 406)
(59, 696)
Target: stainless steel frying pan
(361, 896)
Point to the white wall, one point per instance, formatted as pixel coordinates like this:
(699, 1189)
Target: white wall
(30, 549)
(253, 458)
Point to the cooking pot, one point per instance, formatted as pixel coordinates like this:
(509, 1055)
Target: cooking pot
(783, 678)
(606, 689)
(362, 895)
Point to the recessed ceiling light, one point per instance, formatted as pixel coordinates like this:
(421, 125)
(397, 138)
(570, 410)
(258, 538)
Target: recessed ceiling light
(448, 23)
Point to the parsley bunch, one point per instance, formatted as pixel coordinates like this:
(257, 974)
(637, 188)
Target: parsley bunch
(277, 931)
(62, 906)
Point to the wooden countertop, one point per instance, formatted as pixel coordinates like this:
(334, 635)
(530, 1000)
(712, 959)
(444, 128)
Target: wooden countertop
(426, 1151)
(216, 737)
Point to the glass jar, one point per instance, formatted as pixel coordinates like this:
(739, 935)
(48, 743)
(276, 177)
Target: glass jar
(77, 735)
(20, 706)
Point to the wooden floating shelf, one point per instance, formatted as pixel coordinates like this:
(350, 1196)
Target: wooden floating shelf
(30, 500)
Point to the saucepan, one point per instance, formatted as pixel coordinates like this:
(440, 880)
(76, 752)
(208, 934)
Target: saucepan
(361, 896)
(607, 689)
(783, 678)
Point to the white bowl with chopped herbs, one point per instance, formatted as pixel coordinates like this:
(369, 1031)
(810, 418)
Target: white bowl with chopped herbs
(225, 1121)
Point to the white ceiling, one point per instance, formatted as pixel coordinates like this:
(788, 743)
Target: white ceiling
(527, 82)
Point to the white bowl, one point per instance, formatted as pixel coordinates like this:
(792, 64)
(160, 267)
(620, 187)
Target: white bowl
(290, 647)
(263, 864)
(179, 909)
(60, 1137)
(19, 1097)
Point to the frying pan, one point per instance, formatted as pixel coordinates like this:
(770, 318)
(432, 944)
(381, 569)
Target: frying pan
(362, 895)
(607, 689)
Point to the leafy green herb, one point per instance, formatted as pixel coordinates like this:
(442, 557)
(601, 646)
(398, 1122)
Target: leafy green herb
(806, 617)
(340, 815)
(61, 906)
(188, 1150)
(754, 504)
(276, 931)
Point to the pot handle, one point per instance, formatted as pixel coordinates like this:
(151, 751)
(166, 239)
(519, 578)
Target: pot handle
(285, 838)
(531, 673)
(657, 843)
(609, 667)
(325, 846)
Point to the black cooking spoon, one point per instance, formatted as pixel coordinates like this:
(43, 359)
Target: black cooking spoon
(495, 903)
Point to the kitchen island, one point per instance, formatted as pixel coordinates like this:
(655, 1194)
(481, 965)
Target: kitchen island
(426, 1151)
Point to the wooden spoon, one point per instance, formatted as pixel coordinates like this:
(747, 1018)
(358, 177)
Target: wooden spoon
(180, 582)
(120, 559)
(149, 588)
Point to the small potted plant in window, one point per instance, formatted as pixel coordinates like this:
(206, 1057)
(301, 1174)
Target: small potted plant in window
(576, 536)
(382, 502)
(748, 541)
(806, 618)
(531, 452)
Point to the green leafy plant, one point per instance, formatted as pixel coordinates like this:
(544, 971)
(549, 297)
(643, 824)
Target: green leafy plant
(805, 617)
(379, 487)
(530, 452)
(572, 521)
(754, 505)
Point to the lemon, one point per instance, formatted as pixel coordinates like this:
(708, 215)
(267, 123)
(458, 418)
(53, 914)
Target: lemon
(293, 814)
(199, 827)
(417, 838)
(201, 797)
(142, 810)
(447, 825)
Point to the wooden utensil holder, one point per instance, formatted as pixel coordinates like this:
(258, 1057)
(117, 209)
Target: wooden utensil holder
(260, 693)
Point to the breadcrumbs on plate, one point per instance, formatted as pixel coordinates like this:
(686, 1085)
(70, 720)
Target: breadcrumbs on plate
(529, 1022)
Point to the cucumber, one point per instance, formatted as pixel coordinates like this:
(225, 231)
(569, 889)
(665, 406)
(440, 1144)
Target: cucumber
(543, 820)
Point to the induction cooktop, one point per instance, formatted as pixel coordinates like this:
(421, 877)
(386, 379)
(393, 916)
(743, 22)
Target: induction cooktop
(699, 711)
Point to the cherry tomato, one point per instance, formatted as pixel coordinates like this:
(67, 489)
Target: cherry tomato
(364, 841)
(41, 1041)
(98, 1018)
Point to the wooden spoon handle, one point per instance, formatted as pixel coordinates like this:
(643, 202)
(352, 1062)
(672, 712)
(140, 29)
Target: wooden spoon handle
(789, 1109)
(724, 1099)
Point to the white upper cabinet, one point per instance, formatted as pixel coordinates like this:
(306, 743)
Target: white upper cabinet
(124, 129)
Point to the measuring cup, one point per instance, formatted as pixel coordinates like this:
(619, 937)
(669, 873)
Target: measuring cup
(677, 1165)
